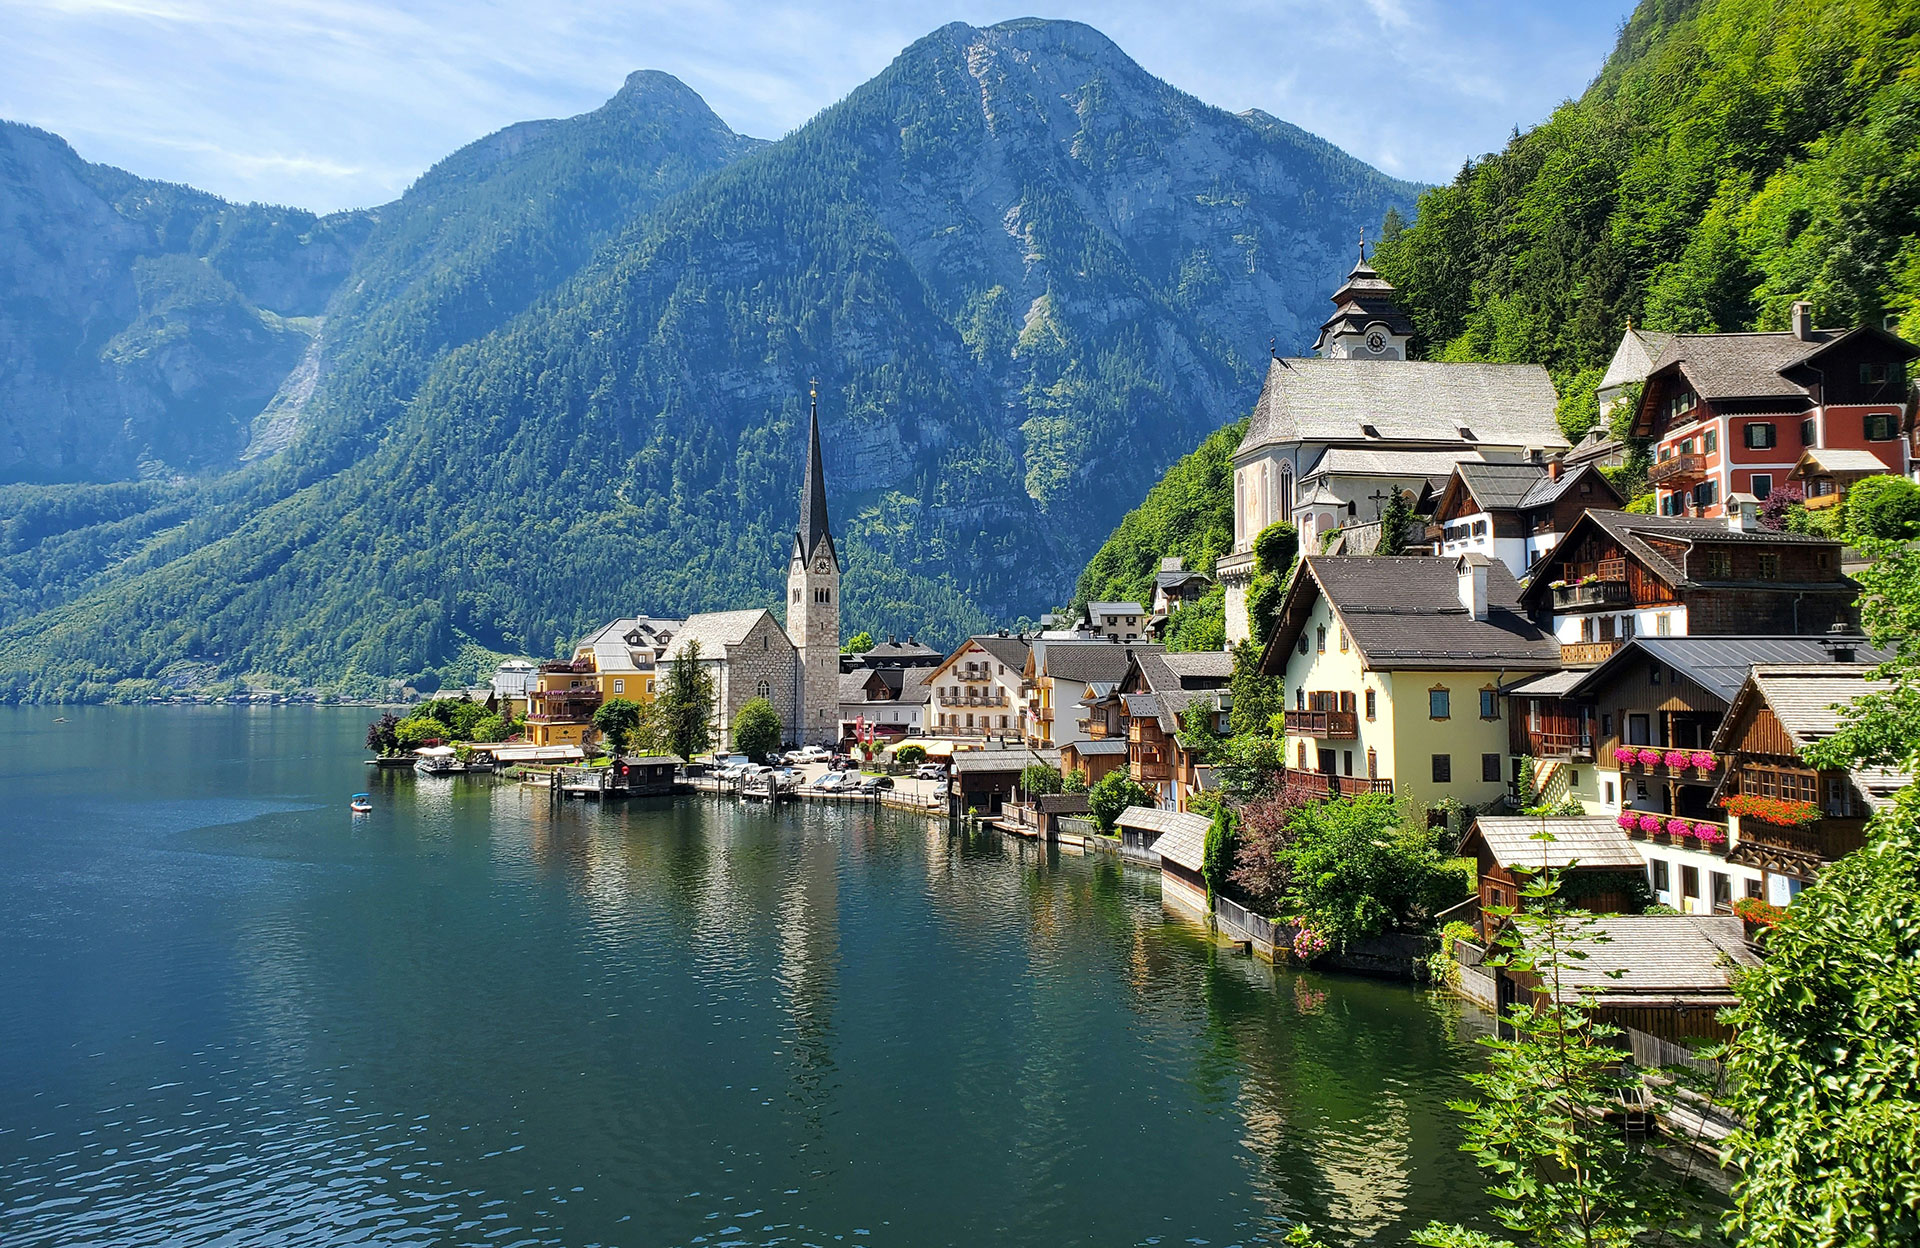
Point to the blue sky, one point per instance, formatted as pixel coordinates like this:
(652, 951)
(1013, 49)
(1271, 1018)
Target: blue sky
(341, 103)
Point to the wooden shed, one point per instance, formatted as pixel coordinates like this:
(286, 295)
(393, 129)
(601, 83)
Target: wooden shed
(1598, 865)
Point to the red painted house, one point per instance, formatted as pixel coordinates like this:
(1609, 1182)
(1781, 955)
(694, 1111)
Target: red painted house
(1733, 413)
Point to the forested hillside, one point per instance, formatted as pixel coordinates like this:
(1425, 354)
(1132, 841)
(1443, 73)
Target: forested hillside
(1024, 272)
(1733, 156)
(1189, 513)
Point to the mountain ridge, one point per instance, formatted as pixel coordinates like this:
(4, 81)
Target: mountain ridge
(1021, 267)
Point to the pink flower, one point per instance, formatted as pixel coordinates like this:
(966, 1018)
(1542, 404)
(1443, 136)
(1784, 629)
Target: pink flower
(1707, 834)
(1649, 823)
(1676, 759)
(1649, 757)
(1704, 760)
(1628, 820)
(1624, 755)
(1679, 827)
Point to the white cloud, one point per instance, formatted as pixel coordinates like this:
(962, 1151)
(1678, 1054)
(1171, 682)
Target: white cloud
(334, 103)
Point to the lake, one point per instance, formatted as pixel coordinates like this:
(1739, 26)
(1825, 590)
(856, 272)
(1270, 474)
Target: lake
(232, 1014)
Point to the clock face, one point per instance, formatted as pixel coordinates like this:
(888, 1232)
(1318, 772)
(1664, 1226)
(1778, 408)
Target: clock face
(1376, 341)
(819, 565)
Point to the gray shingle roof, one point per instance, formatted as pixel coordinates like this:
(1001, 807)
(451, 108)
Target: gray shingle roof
(1632, 532)
(1388, 461)
(1805, 699)
(1547, 491)
(1657, 960)
(1719, 664)
(1097, 747)
(1839, 459)
(974, 762)
(1009, 650)
(1633, 358)
(1741, 366)
(1183, 837)
(1500, 487)
(1589, 841)
(1115, 608)
(1316, 400)
(1198, 664)
(715, 630)
(1405, 612)
(1089, 660)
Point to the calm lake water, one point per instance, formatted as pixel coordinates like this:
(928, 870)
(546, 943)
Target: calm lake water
(231, 1014)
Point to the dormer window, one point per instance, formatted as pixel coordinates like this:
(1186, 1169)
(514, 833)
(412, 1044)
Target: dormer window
(1369, 431)
(1681, 402)
(1467, 434)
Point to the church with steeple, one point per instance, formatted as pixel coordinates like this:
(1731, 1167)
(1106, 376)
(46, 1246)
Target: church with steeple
(813, 600)
(1335, 435)
(749, 655)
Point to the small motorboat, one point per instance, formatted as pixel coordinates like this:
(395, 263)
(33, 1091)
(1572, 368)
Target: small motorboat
(362, 804)
(436, 760)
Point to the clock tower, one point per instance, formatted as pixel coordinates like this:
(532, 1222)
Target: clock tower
(1366, 323)
(813, 602)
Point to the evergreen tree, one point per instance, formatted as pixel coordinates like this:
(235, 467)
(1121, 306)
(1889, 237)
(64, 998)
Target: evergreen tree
(686, 705)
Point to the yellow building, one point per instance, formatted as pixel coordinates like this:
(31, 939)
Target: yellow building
(1392, 673)
(619, 660)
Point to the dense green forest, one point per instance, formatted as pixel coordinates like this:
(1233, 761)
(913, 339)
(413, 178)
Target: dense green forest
(1024, 272)
(1188, 513)
(1732, 157)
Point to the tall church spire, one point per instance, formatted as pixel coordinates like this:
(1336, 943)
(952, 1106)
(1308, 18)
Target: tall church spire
(813, 491)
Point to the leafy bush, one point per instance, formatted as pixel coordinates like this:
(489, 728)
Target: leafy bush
(1115, 792)
(616, 719)
(1259, 875)
(1823, 1069)
(1886, 507)
(417, 730)
(1450, 882)
(1355, 867)
(492, 728)
(910, 755)
(1275, 547)
(757, 729)
(1041, 778)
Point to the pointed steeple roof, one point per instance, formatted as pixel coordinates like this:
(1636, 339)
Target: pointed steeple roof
(813, 493)
(1364, 299)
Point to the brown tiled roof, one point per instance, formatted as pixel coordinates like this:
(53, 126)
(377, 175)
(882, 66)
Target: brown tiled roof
(1632, 531)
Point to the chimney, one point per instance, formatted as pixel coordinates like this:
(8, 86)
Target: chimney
(1743, 513)
(1840, 641)
(1553, 468)
(1803, 321)
(1473, 584)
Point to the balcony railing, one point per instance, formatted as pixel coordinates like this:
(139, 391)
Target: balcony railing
(1571, 746)
(1330, 725)
(972, 698)
(567, 665)
(1677, 468)
(1701, 834)
(1145, 771)
(1310, 785)
(1689, 773)
(1587, 653)
(1600, 570)
(1591, 594)
(1819, 502)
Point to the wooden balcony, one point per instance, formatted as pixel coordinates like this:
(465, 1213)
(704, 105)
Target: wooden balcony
(1688, 774)
(1587, 653)
(1329, 725)
(1591, 594)
(1146, 772)
(1715, 843)
(1614, 569)
(1819, 502)
(1559, 746)
(1312, 785)
(1677, 470)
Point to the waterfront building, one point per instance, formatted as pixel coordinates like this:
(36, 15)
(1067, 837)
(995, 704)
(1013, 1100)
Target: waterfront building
(1155, 696)
(890, 702)
(1333, 437)
(1635, 741)
(617, 660)
(1589, 854)
(1731, 414)
(1617, 576)
(1516, 513)
(978, 690)
(1392, 670)
(748, 655)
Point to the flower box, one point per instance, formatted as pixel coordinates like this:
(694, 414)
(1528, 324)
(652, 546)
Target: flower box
(1777, 811)
(1651, 824)
(1703, 760)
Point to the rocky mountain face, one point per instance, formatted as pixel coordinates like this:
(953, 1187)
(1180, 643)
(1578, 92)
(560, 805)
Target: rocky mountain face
(1025, 273)
(143, 325)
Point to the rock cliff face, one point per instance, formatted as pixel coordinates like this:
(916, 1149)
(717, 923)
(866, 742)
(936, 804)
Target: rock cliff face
(567, 375)
(143, 325)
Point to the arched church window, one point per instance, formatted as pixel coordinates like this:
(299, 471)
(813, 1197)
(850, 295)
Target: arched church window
(763, 689)
(1284, 493)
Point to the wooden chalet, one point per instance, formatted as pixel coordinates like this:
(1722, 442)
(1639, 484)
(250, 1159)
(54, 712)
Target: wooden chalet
(1157, 690)
(1598, 867)
(1094, 757)
(1732, 413)
(1667, 976)
(1790, 819)
(1515, 513)
(983, 780)
(1617, 576)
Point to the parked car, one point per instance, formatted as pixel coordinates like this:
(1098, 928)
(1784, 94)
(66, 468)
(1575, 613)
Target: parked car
(812, 753)
(873, 784)
(832, 782)
(930, 771)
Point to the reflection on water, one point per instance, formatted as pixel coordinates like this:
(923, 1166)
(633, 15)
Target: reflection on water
(477, 1015)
